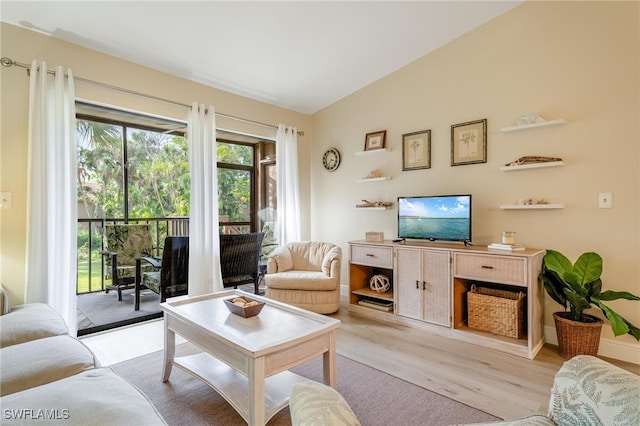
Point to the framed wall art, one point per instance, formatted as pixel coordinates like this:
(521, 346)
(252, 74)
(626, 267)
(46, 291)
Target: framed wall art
(469, 143)
(416, 150)
(375, 140)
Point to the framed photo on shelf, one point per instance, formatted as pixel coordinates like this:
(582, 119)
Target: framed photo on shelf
(469, 143)
(375, 140)
(416, 150)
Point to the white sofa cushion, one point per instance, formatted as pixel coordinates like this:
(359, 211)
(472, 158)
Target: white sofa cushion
(42, 361)
(97, 397)
(30, 322)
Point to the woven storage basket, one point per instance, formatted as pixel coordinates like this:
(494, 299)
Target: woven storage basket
(496, 311)
(577, 338)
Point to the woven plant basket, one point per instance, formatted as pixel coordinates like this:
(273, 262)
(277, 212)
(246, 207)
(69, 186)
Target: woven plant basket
(496, 311)
(575, 337)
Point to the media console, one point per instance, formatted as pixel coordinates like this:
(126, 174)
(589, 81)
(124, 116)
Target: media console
(430, 282)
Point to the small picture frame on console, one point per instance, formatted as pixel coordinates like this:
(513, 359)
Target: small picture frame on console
(416, 150)
(469, 142)
(375, 140)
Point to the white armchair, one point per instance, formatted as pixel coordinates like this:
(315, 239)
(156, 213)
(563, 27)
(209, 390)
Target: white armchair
(305, 274)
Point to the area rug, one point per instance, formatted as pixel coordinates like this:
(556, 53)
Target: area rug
(376, 398)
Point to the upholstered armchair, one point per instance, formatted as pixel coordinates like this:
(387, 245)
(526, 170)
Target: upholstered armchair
(305, 274)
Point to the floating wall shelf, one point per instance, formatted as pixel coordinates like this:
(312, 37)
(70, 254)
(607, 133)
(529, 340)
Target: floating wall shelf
(373, 208)
(532, 166)
(548, 123)
(372, 151)
(376, 179)
(531, 206)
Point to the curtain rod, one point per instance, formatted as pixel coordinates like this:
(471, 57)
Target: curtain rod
(8, 62)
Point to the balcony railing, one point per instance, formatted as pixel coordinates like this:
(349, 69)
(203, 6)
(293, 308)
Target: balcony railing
(90, 275)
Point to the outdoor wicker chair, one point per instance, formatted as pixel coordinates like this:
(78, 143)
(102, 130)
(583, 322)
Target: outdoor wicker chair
(239, 257)
(171, 278)
(124, 243)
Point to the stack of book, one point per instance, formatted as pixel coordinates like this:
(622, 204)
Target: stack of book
(507, 247)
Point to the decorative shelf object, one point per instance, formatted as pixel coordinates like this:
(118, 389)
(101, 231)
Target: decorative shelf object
(532, 206)
(532, 166)
(372, 152)
(547, 123)
(375, 179)
(375, 205)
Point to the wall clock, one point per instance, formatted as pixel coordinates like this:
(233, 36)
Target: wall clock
(331, 159)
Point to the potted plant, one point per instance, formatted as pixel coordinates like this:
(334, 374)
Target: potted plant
(578, 287)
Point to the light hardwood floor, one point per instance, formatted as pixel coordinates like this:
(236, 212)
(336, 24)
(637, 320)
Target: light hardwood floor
(504, 385)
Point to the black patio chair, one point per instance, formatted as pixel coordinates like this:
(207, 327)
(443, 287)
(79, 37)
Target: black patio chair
(172, 277)
(239, 257)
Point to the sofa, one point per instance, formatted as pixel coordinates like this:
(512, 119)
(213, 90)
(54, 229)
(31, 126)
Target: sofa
(586, 391)
(49, 377)
(305, 274)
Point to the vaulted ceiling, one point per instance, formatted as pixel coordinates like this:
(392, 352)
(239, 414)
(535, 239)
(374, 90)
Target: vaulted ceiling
(300, 55)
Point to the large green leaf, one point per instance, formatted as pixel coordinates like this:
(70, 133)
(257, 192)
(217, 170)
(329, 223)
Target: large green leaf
(595, 287)
(554, 287)
(615, 295)
(557, 262)
(633, 330)
(588, 267)
(618, 324)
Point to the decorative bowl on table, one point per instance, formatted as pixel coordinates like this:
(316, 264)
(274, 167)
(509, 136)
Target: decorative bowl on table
(244, 306)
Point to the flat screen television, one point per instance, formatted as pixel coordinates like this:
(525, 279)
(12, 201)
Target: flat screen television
(435, 217)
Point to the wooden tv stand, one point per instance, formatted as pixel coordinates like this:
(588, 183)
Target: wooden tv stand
(429, 285)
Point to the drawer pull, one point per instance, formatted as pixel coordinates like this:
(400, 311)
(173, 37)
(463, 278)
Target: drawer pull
(370, 255)
(487, 267)
(417, 285)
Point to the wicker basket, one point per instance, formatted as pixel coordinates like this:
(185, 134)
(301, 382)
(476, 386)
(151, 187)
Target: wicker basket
(496, 311)
(577, 338)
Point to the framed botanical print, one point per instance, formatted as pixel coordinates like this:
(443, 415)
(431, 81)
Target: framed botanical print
(416, 150)
(469, 143)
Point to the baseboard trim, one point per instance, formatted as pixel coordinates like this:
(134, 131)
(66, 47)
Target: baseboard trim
(610, 348)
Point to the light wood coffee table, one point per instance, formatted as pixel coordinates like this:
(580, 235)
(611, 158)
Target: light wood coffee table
(246, 359)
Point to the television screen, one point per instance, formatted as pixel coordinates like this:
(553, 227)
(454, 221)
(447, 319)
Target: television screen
(441, 217)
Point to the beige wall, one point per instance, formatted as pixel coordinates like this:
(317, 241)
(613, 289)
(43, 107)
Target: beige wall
(24, 46)
(572, 60)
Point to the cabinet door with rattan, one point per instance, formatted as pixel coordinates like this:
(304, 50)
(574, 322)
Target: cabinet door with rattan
(436, 285)
(423, 282)
(408, 282)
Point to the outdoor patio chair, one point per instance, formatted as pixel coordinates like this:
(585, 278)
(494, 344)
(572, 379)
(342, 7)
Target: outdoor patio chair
(239, 257)
(172, 277)
(124, 243)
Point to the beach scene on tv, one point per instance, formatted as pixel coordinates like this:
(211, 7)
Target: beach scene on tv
(435, 218)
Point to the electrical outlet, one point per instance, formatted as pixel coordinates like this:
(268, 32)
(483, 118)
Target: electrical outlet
(605, 200)
(6, 200)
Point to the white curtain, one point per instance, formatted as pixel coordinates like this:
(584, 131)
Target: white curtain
(288, 225)
(204, 239)
(51, 251)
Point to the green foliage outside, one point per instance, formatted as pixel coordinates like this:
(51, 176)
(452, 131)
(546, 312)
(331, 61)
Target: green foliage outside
(158, 183)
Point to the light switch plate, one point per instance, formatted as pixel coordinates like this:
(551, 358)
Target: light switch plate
(605, 200)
